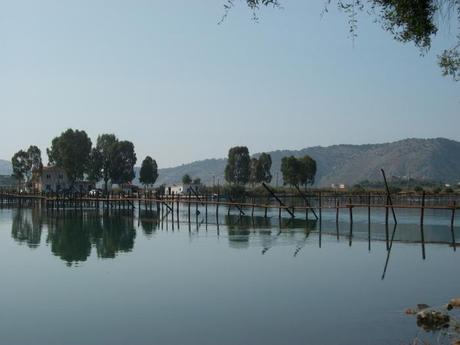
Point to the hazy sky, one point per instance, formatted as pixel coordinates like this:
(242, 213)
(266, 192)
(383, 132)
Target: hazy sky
(164, 75)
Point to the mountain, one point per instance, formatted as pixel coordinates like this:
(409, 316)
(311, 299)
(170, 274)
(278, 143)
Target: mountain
(425, 159)
(5, 167)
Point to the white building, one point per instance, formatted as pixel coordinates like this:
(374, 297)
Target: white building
(179, 189)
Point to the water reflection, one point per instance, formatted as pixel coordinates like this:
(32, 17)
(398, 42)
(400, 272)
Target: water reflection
(148, 221)
(389, 246)
(74, 236)
(70, 238)
(27, 227)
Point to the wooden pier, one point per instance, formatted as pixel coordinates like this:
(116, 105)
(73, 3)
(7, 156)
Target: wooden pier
(292, 206)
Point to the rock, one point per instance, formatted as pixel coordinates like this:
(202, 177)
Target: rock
(422, 306)
(410, 311)
(455, 302)
(432, 320)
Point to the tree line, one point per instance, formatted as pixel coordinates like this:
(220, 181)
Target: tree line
(110, 159)
(241, 169)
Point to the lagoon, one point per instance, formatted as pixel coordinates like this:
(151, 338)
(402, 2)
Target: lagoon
(121, 278)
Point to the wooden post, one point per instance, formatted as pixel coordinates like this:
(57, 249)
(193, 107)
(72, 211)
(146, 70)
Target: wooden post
(350, 206)
(422, 209)
(386, 237)
(306, 202)
(189, 200)
(206, 209)
(386, 211)
(217, 211)
(369, 208)
(281, 204)
(217, 205)
(389, 201)
(177, 208)
(320, 207)
(422, 233)
(369, 221)
(337, 211)
(351, 233)
(452, 229)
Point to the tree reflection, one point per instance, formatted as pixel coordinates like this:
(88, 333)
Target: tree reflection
(69, 238)
(27, 227)
(73, 235)
(238, 230)
(117, 235)
(148, 222)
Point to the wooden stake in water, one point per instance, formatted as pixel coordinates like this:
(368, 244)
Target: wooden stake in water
(452, 229)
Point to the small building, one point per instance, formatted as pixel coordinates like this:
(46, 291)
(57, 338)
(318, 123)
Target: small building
(174, 189)
(181, 188)
(53, 179)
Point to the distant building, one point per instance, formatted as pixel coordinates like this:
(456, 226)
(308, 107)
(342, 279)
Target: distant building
(51, 179)
(54, 179)
(181, 188)
(338, 186)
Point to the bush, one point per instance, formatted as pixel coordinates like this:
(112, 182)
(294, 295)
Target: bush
(418, 189)
(437, 190)
(357, 188)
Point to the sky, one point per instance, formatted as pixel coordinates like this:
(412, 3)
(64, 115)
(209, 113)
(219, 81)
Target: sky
(166, 76)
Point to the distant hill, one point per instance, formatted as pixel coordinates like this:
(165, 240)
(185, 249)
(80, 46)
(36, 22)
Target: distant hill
(425, 159)
(5, 167)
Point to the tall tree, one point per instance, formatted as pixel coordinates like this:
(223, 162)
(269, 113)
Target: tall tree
(238, 165)
(21, 165)
(149, 171)
(186, 179)
(102, 158)
(307, 170)
(95, 172)
(26, 163)
(254, 171)
(290, 167)
(71, 151)
(265, 165)
(35, 158)
(122, 163)
(297, 171)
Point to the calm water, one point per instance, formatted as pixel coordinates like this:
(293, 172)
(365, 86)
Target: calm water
(95, 279)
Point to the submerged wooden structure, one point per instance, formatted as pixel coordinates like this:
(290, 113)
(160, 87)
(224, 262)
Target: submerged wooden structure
(293, 206)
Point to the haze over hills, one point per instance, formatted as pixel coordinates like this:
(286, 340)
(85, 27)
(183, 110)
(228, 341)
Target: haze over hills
(5, 167)
(425, 159)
